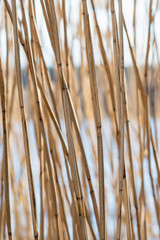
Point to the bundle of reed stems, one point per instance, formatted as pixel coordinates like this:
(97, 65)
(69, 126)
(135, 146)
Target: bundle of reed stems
(79, 145)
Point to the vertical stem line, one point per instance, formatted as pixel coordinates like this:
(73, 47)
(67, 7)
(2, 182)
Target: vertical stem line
(5, 154)
(24, 124)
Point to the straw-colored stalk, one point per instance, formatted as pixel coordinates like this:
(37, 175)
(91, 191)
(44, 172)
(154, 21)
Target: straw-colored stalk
(76, 125)
(5, 155)
(121, 123)
(96, 109)
(40, 119)
(67, 117)
(65, 42)
(24, 124)
(107, 68)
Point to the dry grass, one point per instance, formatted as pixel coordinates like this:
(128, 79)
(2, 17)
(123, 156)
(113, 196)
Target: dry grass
(58, 170)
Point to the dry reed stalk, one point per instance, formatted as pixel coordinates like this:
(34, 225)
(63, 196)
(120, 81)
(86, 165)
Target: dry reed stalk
(155, 157)
(46, 187)
(140, 148)
(119, 75)
(10, 108)
(62, 207)
(2, 202)
(5, 153)
(40, 147)
(40, 153)
(64, 226)
(138, 79)
(3, 235)
(106, 65)
(11, 17)
(87, 113)
(130, 158)
(72, 156)
(139, 85)
(48, 19)
(121, 122)
(45, 70)
(89, 223)
(74, 208)
(65, 42)
(132, 171)
(131, 221)
(127, 210)
(84, 160)
(52, 116)
(44, 95)
(153, 105)
(97, 117)
(85, 192)
(7, 57)
(58, 191)
(74, 91)
(24, 125)
(134, 24)
(16, 210)
(116, 57)
(40, 119)
(147, 111)
(144, 96)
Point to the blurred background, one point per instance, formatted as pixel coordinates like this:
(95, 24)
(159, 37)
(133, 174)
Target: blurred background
(144, 34)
